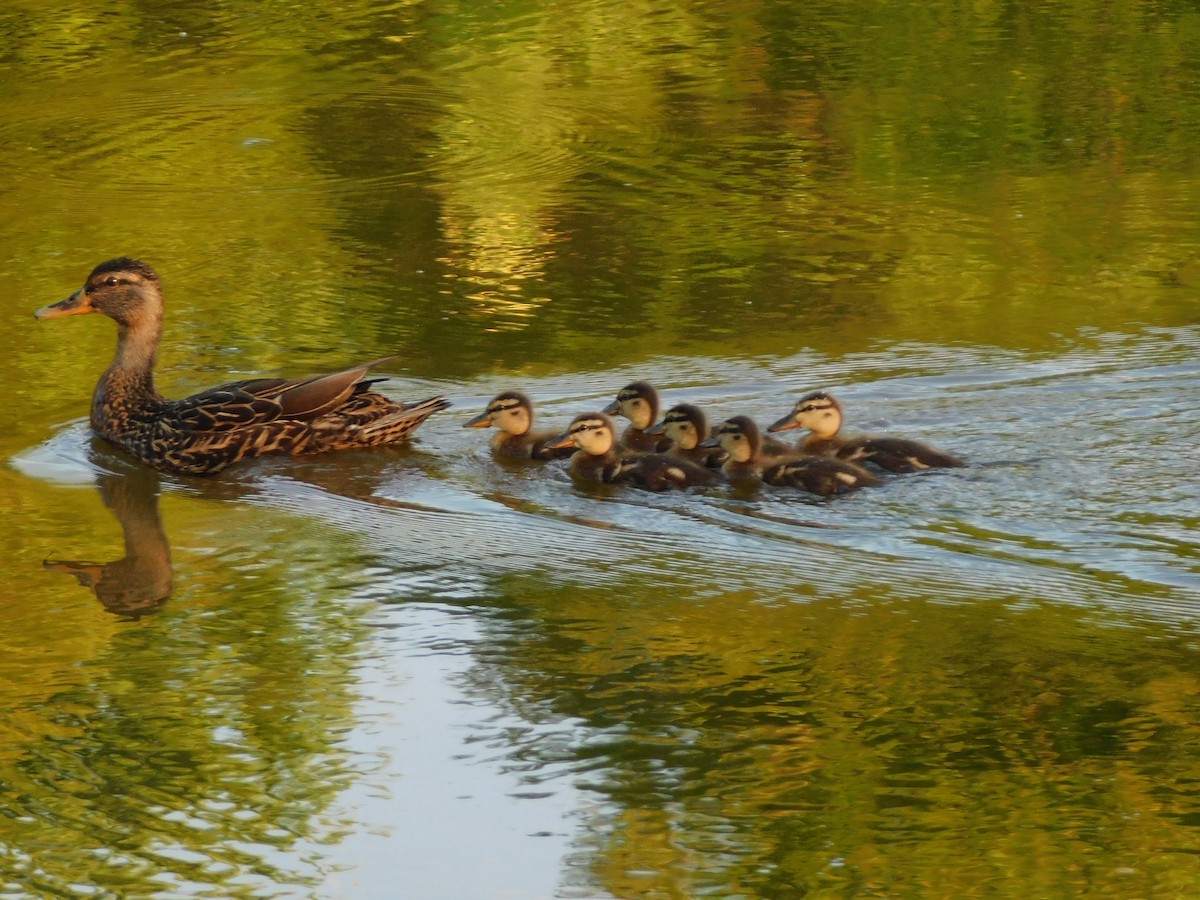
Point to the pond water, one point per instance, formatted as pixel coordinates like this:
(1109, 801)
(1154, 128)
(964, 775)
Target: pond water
(423, 672)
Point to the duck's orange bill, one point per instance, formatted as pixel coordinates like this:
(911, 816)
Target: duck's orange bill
(75, 305)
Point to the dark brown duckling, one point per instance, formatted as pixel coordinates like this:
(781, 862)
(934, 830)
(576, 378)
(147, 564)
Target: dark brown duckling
(204, 433)
(687, 427)
(638, 402)
(822, 415)
(598, 459)
(512, 413)
(824, 475)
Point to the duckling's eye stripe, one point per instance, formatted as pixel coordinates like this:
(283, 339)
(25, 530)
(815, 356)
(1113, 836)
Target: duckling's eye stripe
(499, 407)
(583, 427)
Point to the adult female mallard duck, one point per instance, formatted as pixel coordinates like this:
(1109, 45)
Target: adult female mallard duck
(824, 475)
(597, 459)
(638, 402)
(687, 427)
(512, 413)
(822, 415)
(204, 433)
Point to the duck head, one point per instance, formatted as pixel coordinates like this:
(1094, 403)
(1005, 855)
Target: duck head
(685, 424)
(739, 437)
(126, 290)
(590, 432)
(510, 411)
(637, 402)
(817, 412)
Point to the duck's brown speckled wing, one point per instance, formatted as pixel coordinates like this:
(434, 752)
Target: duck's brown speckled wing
(240, 404)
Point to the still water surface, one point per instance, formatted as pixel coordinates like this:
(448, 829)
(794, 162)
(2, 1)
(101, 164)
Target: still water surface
(421, 672)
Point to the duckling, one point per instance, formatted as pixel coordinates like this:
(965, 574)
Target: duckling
(512, 413)
(687, 426)
(204, 433)
(821, 414)
(742, 440)
(597, 459)
(638, 402)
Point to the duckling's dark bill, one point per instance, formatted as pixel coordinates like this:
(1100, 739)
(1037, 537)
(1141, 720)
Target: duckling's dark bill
(483, 420)
(787, 423)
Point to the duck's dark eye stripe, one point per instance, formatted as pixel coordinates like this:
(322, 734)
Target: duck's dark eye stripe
(502, 408)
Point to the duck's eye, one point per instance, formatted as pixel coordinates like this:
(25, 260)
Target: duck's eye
(111, 280)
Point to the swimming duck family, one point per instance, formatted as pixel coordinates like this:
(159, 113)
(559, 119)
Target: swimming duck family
(204, 433)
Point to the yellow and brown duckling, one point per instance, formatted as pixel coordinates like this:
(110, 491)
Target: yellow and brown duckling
(638, 402)
(512, 414)
(822, 415)
(598, 459)
(204, 433)
(687, 427)
(825, 475)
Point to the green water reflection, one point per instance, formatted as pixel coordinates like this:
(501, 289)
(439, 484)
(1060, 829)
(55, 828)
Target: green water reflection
(185, 752)
(750, 749)
(980, 216)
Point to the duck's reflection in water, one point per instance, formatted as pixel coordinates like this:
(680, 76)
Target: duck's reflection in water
(140, 583)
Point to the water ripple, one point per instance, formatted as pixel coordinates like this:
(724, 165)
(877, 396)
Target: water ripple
(1062, 503)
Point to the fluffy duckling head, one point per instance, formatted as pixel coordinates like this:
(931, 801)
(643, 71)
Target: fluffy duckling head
(817, 412)
(591, 432)
(126, 290)
(685, 424)
(739, 437)
(510, 411)
(637, 402)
